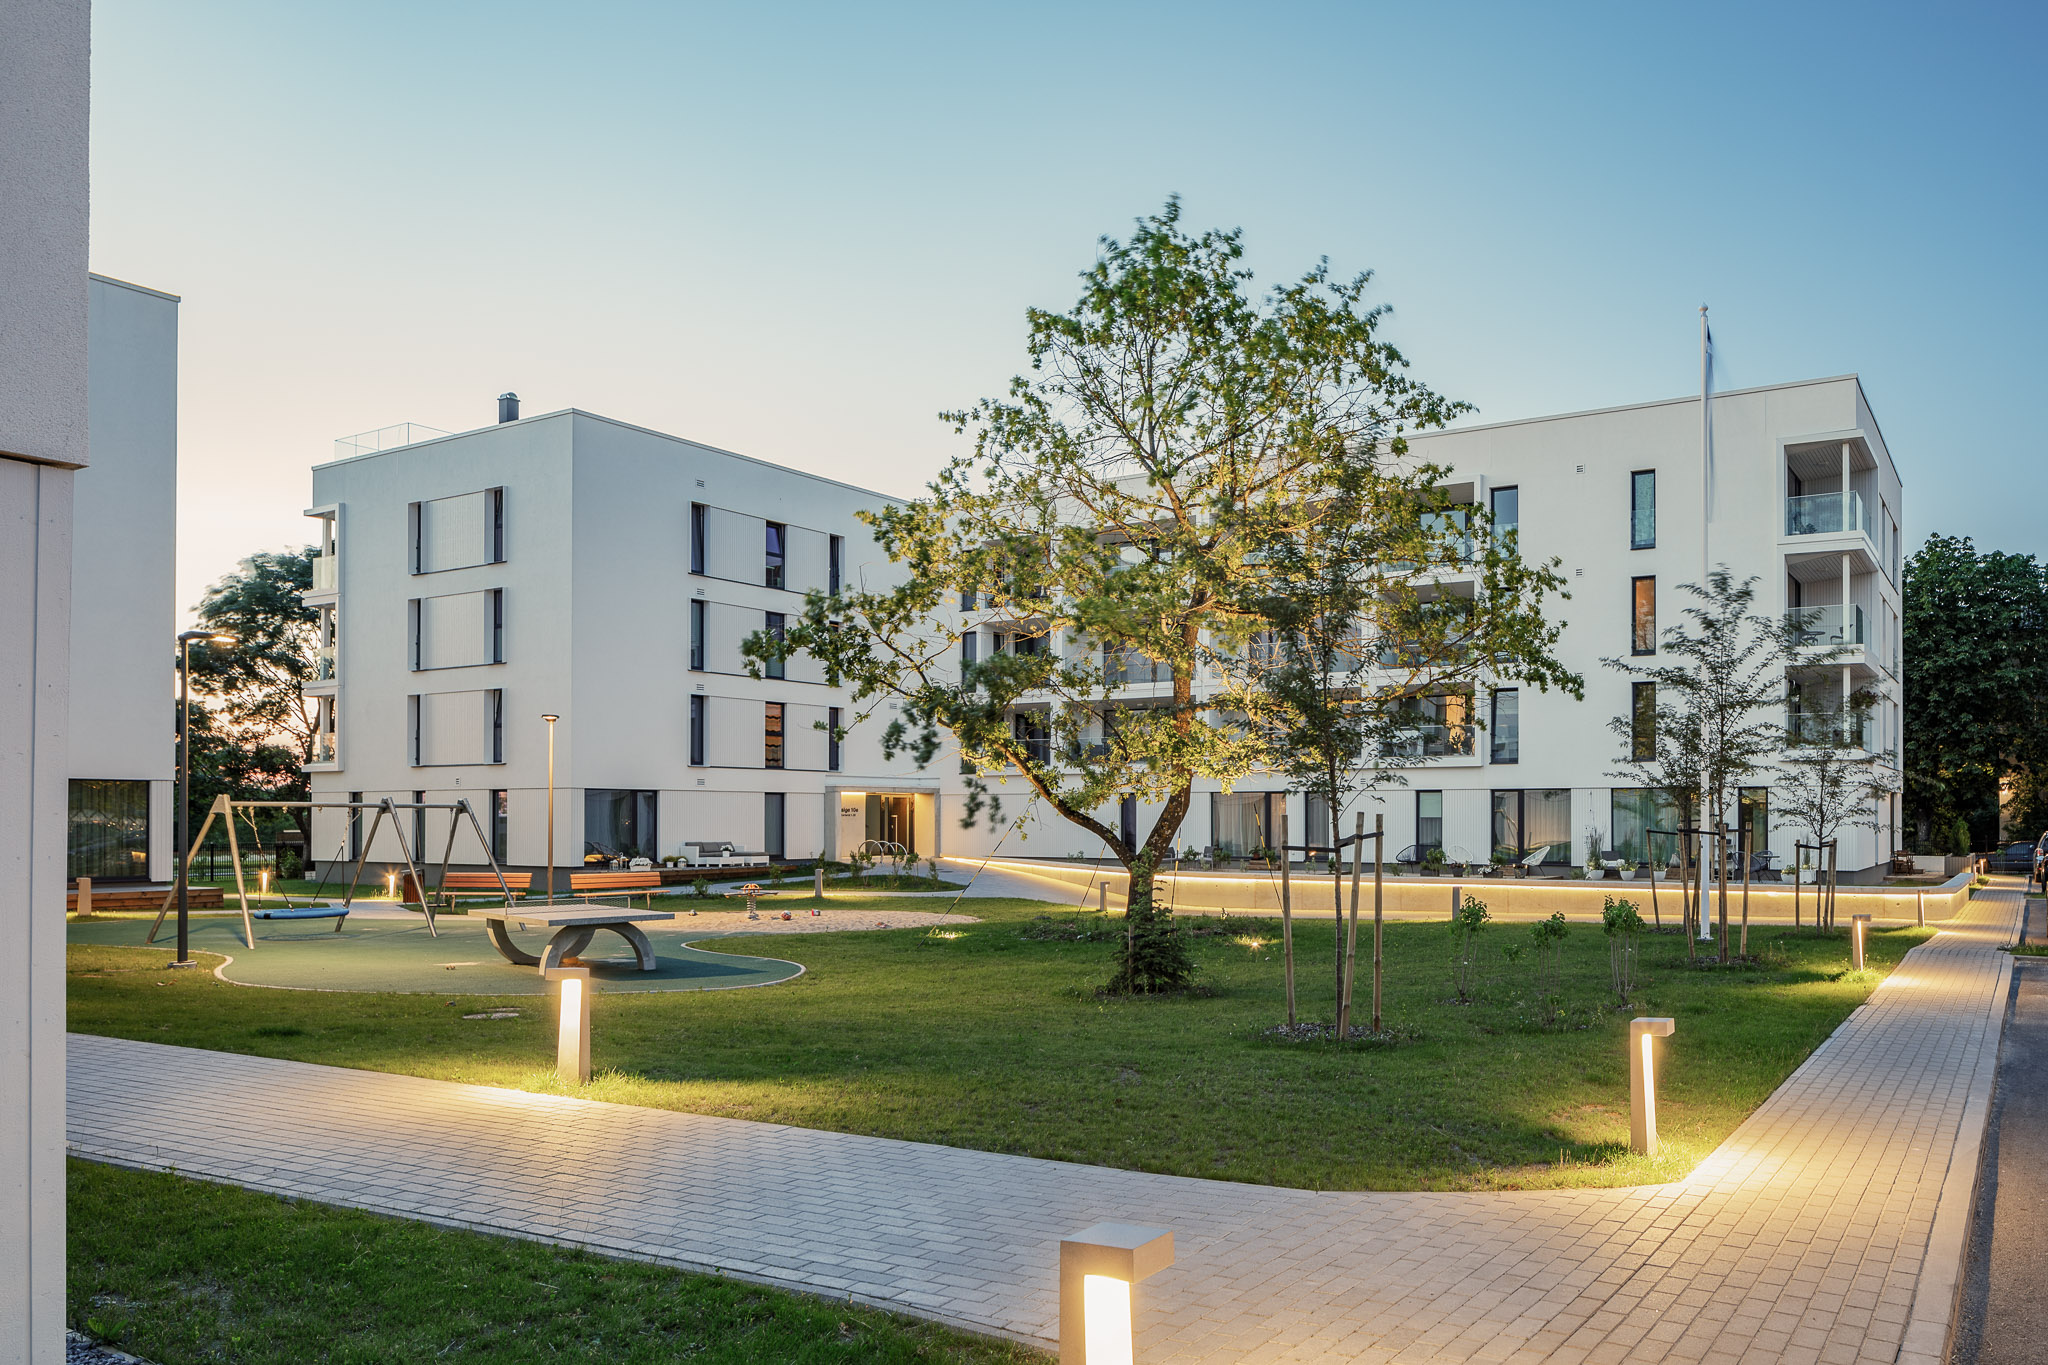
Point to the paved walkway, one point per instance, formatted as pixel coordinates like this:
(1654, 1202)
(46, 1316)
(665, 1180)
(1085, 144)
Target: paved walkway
(1828, 1228)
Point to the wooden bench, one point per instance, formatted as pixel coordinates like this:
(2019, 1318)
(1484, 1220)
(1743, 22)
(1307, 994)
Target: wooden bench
(615, 883)
(145, 898)
(483, 884)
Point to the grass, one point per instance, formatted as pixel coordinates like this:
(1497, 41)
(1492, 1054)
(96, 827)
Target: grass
(183, 1272)
(890, 881)
(993, 1036)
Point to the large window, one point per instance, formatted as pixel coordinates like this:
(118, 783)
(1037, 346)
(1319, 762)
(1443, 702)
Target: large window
(1633, 813)
(970, 646)
(1642, 721)
(697, 732)
(1643, 616)
(774, 842)
(777, 534)
(1754, 804)
(617, 824)
(107, 837)
(697, 609)
(1033, 735)
(1241, 823)
(1506, 725)
(1642, 510)
(1429, 821)
(1537, 820)
(501, 824)
(833, 755)
(775, 628)
(771, 736)
(1507, 510)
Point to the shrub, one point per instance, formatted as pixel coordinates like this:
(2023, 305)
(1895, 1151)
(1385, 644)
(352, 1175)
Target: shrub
(1472, 917)
(1549, 938)
(1623, 923)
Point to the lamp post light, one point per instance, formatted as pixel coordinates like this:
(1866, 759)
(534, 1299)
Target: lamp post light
(572, 1043)
(184, 853)
(1859, 930)
(551, 806)
(1098, 1266)
(1642, 1082)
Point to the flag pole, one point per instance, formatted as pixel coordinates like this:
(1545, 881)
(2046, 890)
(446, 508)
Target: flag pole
(1706, 445)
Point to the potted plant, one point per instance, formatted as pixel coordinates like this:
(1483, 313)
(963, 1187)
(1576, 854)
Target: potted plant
(1509, 861)
(1595, 869)
(1627, 868)
(1433, 861)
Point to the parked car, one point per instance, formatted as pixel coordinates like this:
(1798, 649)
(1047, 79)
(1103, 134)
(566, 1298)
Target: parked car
(2017, 858)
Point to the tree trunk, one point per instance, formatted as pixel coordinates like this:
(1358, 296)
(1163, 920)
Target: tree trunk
(1286, 915)
(1337, 903)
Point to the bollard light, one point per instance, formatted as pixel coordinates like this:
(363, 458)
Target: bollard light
(1642, 1082)
(1859, 928)
(572, 1046)
(391, 885)
(1098, 1266)
(263, 882)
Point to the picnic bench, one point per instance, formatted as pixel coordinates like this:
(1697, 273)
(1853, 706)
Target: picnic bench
(455, 884)
(615, 883)
(574, 925)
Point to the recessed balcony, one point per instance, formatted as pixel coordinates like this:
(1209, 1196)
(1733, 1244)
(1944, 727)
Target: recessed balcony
(1827, 626)
(1430, 741)
(326, 573)
(1825, 514)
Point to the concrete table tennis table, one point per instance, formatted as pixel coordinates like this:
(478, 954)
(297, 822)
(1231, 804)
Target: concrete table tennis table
(574, 925)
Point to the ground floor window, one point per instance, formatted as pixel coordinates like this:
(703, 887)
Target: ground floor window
(1754, 830)
(1635, 811)
(617, 824)
(1429, 821)
(773, 838)
(1240, 823)
(501, 823)
(108, 837)
(1536, 820)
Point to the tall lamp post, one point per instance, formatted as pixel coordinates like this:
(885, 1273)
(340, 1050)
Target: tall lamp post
(185, 778)
(551, 806)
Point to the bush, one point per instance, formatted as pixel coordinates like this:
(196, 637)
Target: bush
(288, 865)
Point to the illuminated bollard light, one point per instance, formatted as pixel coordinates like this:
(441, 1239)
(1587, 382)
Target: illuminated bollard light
(572, 1047)
(1098, 1266)
(1642, 1082)
(818, 881)
(1859, 929)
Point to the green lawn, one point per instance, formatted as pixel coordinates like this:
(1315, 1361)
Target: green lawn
(992, 1036)
(184, 1273)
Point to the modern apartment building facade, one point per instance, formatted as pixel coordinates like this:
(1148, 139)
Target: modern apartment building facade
(123, 561)
(1805, 499)
(571, 565)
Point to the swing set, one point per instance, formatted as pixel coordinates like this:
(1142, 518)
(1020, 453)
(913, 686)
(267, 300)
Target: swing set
(226, 809)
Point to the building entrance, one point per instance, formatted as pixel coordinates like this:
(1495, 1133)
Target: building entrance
(892, 819)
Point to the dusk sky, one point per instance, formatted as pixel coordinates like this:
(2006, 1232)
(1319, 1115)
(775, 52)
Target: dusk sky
(799, 232)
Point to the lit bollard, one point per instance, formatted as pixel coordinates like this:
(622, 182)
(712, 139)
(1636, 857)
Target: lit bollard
(1642, 1082)
(1098, 1266)
(263, 882)
(818, 881)
(572, 1047)
(1859, 929)
(1920, 897)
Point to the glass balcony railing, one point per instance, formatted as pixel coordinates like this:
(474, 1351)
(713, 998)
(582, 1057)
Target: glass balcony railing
(1826, 727)
(1821, 514)
(384, 438)
(323, 664)
(324, 748)
(325, 573)
(1828, 625)
(1431, 741)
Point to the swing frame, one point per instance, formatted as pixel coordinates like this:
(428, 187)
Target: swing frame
(226, 808)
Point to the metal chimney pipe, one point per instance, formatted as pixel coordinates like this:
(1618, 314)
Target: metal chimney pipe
(508, 407)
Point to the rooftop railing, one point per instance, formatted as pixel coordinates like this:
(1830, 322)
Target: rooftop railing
(384, 438)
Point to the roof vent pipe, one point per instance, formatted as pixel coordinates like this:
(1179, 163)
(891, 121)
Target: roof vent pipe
(508, 407)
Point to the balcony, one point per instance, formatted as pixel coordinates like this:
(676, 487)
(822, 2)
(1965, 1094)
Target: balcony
(1430, 741)
(1822, 514)
(1826, 626)
(323, 664)
(326, 573)
(1829, 727)
(325, 750)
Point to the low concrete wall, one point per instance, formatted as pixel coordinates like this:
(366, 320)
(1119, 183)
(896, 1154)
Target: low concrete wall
(1507, 898)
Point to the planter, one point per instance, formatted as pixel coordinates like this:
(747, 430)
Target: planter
(1429, 871)
(1628, 874)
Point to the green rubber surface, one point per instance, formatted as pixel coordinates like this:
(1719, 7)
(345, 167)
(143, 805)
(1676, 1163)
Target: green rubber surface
(400, 957)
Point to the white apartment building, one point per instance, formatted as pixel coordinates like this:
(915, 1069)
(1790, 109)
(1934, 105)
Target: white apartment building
(1805, 499)
(572, 565)
(123, 760)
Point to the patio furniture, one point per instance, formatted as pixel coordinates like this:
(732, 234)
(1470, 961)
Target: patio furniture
(574, 925)
(455, 885)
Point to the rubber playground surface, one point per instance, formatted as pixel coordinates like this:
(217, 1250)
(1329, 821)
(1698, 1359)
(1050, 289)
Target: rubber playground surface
(401, 957)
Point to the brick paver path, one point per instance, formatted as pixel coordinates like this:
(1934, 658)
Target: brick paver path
(1828, 1228)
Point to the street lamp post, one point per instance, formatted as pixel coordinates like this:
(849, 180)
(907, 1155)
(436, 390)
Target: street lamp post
(184, 854)
(551, 806)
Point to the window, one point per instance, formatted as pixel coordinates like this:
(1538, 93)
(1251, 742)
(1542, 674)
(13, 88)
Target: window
(413, 709)
(774, 666)
(835, 563)
(697, 535)
(1027, 646)
(413, 522)
(412, 634)
(773, 842)
(1642, 510)
(497, 605)
(1429, 820)
(1127, 821)
(495, 701)
(696, 732)
(618, 824)
(970, 646)
(696, 636)
(1240, 823)
(1643, 627)
(777, 533)
(967, 599)
(1642, 721)
(419, 827)
(771, 737)
(832, 737)
(1753, 822)
(501, 824)
(494, 511)
(1507, 725)
(355, 826)
(1033, 736)
(1507, 510)
(107, 833)
(1533, 821)
(1634, 812)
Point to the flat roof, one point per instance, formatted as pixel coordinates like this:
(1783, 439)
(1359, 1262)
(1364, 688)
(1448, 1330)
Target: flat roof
(130, 284)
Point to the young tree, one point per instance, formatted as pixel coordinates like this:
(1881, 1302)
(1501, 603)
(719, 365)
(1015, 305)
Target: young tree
(1106, 525)
(1827, 782)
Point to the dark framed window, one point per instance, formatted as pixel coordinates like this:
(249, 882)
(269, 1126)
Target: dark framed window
(698, 528)
(1642, 721)
(618, 824)
(1531, 821)
(1642, 616)
(494, 509)
(412, 634)
(696, 636)
(777, 534)
(832, 751)
(774, 840)
(107, 833)
(771, 736)
(1127, 821)
(1506, 509)
(1642, 510)
(1240, 823)
(497, 625)
(496, 701)
(412, 729)
(355, 826)
(1506, 725)
(501, 823)
(413, 524)
(696, 732)
(419, 827)
(835, 563)
(1632, 813)
(1429, 820)
(967, 599)
(970, 646)
(1754, 818)
(775, 628)
(1033, 735)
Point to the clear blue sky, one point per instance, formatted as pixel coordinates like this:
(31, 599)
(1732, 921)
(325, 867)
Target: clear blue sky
(800, 231)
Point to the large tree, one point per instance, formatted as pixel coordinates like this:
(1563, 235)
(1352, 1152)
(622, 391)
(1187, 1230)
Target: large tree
(1106, 528)
(1975, 638)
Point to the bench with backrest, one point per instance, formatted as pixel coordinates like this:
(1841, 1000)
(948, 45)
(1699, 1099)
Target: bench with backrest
(615, 884)
(484, 884)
